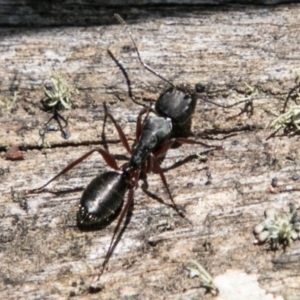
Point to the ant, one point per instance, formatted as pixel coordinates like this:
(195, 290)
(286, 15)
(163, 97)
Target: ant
(104, 195)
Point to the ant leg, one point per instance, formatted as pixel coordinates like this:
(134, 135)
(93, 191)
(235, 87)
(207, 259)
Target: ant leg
(119, 129)
(114, 241)
(193, 142)
(163, 149)
(163, 178)
(139, 126)
(109, 159)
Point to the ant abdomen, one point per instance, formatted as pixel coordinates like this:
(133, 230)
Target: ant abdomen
(102, 200)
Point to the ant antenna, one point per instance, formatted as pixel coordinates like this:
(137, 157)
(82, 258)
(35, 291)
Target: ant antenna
(147, 67)
(247, 100)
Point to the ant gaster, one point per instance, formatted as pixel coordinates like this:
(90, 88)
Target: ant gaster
(104, 195)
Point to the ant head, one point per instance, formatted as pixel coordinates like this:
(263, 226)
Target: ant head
(177, 103)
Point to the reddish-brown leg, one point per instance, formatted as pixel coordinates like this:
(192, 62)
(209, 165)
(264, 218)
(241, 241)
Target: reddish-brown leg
(139, 126)
(194, 142)
(153, 162)
(158, 169)
(114, 239)
(109, 159)
(168, 144)
(120, 131)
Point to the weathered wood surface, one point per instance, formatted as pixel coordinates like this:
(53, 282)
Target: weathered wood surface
(44, 255)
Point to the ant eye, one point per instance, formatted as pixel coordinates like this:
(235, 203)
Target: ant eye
(199, 88)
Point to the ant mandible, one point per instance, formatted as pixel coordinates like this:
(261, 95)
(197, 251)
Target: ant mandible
(104, 195)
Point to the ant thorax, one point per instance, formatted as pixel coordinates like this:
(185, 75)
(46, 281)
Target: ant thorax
(156, 131)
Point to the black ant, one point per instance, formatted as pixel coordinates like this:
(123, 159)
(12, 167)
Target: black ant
(104, 195)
